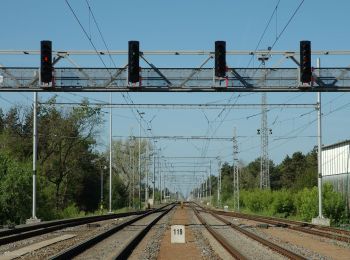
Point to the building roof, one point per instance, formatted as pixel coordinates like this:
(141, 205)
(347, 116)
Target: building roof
(342, 143)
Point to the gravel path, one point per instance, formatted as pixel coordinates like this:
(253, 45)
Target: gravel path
(82, 232)
(248, 247)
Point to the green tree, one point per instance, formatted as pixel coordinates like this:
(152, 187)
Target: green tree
(15, 190)
(126, 164)
(250, 175)
(65, 147)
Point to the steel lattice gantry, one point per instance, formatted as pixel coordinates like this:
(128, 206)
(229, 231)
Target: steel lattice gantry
(175, 80)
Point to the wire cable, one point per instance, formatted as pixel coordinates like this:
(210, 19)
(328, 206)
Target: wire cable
(263, 34)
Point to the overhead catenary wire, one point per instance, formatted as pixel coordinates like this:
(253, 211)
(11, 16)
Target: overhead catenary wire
(87, 36)
(110, 56)
(264, 31)
(268, 53)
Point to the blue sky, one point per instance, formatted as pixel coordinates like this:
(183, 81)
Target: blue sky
(192, 25)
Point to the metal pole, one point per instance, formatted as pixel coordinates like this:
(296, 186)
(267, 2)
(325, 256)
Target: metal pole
(319, 154)
(219, 185)
(146, 168)
(101, 186)
(210, 182)
(35, 151)
(160, 183)
(235, 172)
(154, 175)
(158, 159)
(140, 161)
(206, 187)
(219, 189)
(203, 187)
(110, 155)
(133, 177)
(129, 173)
(164, 190)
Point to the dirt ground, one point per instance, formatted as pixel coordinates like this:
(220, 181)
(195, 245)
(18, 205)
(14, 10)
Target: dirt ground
(187, 250)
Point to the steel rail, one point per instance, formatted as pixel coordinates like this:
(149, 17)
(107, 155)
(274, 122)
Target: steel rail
(305, 224)
(273, 246)
(230, 249)
(298, 226)
(23, 232)
(83, 246)
(127, 250)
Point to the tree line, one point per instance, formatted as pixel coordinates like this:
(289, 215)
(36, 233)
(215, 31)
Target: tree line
(69, 165)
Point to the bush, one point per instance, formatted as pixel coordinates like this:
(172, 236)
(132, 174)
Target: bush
(306, 203)
(301, 205)
(333, 204)
(283, 203)
(72, 211)
(257, 200)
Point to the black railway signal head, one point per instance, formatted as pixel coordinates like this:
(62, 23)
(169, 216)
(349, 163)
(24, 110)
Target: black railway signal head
(134, 62)
(220, 59)
(305, 62)
(46, 61)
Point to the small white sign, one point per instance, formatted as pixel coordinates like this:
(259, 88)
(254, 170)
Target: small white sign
(178, 234)
(1, 79)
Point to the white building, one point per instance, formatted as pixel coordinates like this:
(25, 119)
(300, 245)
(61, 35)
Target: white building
(336, 167)
(336, 159)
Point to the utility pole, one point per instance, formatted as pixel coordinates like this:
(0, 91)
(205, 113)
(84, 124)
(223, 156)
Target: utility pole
(133, 176)
(159, 177)
(206, 186)
(164, 176)
(319, 154)
(154, 175)
(101, 179)
(146, 168)
(235, 172)
(160, 180)
(110, 155)
(164, 187)
(35, 156)
(130, 179)
(219, 185)
(210, 187)
(264, 160)
(140, 114)
(320, 220)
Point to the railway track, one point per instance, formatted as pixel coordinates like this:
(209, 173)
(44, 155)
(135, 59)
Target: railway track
(128, 239)
(29, 231)
(327, 232)
(234, 251)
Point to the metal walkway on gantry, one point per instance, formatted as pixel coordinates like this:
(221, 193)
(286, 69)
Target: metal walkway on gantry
(154, 79)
